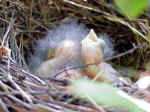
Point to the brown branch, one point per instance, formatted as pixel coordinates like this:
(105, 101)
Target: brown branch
(8, 30)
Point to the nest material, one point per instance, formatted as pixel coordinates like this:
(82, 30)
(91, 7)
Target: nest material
(20, 90)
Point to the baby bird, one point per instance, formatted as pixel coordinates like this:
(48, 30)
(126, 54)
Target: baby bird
(66, 46)
(64, 53)
(92, 51)
(89, 50)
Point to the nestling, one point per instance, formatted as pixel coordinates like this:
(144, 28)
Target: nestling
(65, 52)
(92, 51)
(75, 50)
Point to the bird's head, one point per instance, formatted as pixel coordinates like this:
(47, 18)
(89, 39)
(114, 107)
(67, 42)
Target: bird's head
(92, 48)
(92, 39)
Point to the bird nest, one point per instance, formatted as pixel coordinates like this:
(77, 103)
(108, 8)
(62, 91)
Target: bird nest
(30, 20)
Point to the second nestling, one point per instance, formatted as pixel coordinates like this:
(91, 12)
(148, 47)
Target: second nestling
(63, 54)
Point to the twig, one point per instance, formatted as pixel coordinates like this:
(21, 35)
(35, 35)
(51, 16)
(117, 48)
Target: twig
(3, 107)
(3, 86)
(77, 108)
(20, 102)
(125, 53)
(44, 108)
(19, 69)
(8, 30)
(24, 94)
(85, 7)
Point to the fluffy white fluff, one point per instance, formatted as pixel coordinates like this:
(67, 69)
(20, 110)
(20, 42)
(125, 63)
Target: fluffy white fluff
(67, 29)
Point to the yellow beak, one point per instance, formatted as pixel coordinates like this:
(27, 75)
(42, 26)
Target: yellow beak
(92, 48)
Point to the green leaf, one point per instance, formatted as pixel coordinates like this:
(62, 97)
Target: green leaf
(106, 94)
(131, 8)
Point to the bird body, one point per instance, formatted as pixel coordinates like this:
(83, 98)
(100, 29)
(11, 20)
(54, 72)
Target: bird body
(92, 48)
(92, 52)
(64, 53)
(50, 67)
